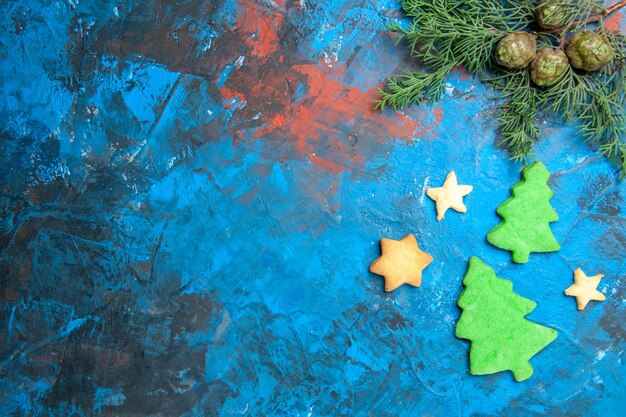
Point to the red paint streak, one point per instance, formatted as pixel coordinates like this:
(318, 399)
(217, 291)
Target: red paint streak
(307, 106)
(332, 124)
(438, 114)
(324, 163)
(463, 74)
(278, 121)
(319, 230)
(229, 95)
(259, 27)
(331, 111)
(613, 22)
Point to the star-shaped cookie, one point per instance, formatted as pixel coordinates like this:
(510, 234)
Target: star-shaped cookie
(585, 288)
(401, 262)
(449, 195)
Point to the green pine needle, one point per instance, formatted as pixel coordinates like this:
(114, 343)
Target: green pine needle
(516, 120)
(449, 33)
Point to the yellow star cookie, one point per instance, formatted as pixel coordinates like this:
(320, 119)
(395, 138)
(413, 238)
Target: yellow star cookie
(584, 288)
(401, 262)
(450, 195)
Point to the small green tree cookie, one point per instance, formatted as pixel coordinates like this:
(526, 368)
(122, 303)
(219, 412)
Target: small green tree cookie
(527, 215)
(493, 320)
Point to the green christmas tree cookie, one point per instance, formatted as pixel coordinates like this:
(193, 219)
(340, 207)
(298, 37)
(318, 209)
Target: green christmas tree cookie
(527, 215)
(493, 320)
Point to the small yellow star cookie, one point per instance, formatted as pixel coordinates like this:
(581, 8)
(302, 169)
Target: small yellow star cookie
(401, 262)
(585, 288)
(450, 195)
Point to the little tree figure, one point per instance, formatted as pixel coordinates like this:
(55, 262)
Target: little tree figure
(527, 215)
(493, 320)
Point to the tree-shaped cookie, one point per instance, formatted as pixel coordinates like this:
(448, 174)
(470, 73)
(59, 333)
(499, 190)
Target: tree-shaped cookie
(493, 320)
(527, 215)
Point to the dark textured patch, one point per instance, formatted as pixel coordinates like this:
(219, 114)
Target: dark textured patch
(594, 190)
(612, 204)
(191, 193)
(612, 321)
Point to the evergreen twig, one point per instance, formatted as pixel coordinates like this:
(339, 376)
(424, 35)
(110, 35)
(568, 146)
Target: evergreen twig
(449, 33)
(591, 18)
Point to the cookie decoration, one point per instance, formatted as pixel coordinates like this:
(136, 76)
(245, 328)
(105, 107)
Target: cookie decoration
(493, 321)
(449, 195)
(585, 289)
(401, 262)
(526, 217)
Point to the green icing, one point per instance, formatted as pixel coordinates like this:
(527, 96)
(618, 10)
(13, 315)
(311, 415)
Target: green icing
(493, 320)
(527, 215)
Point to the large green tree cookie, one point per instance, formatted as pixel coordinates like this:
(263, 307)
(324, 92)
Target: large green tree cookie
(527, 215)
(493, 320)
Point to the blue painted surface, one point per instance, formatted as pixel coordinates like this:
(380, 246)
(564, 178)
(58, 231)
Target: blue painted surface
(187, 232)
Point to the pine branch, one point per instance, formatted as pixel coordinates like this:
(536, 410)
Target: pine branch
(591, 18)
(517, 117)
(412, 87)
(596, 101)
(449, 33)
(446, 34)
